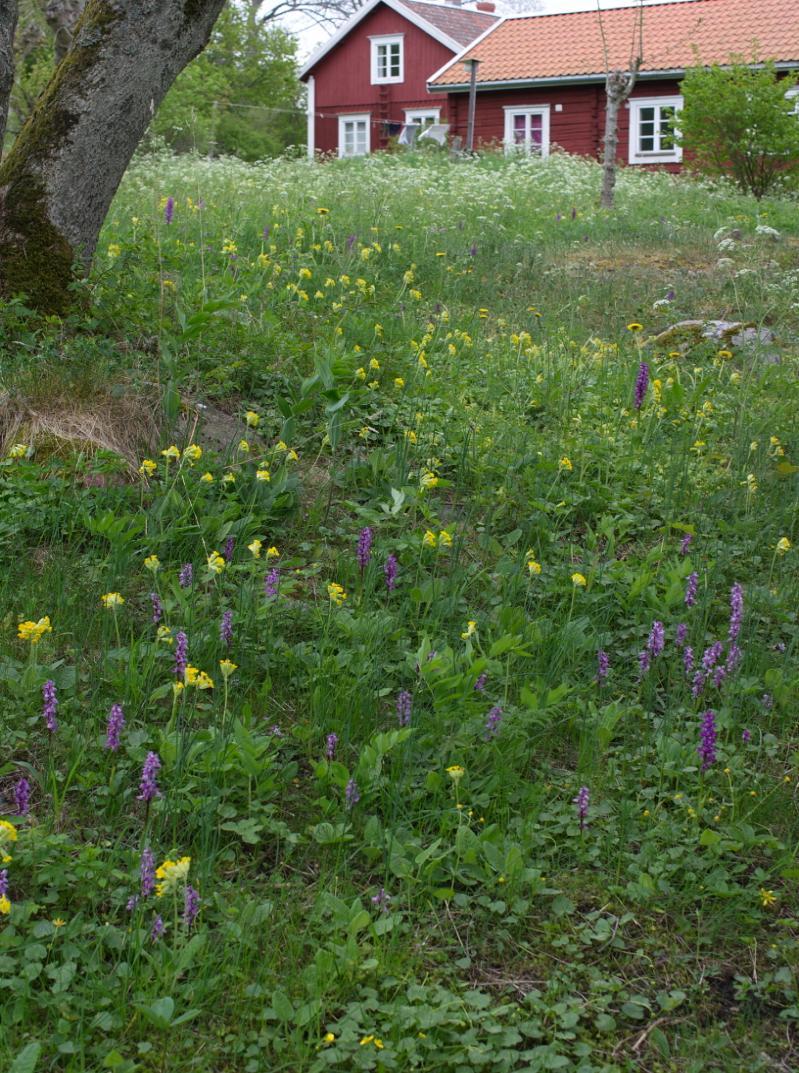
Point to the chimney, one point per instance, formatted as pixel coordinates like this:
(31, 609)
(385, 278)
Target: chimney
(485, 5)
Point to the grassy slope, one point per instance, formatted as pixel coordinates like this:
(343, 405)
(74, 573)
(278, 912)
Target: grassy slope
(487, 306)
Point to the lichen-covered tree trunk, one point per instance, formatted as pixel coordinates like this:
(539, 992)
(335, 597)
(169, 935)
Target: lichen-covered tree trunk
(618, 87)
(8, 26)
(62, 18)
(57, 182)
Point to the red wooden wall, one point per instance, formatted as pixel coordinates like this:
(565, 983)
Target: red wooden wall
(578, 128)
(343, 78)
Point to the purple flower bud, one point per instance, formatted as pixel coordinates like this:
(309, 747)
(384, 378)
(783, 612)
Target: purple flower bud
(641, 384)
(364, 550)
(746, 737)
(169, 209)
(707, 739)
(734, 657)
(158, 610)
(330, 746)
(272, 583)
(404, 704)
(148, 787)
(381, 900)
(688, 659)
(582, 801)
(22, 795)
(181, 655)
(132, 902)
(390, 570)
(711, 656)
(147, 872)
(685, 544)
(473, 250)
(352, 794)
(602, 666)
(116, 721)
(493, 720)
(480, 682)
(351, 240)
(644, 662)
(191, 905)
(680, 634)
(50, 707)
(657, 639)
(186, 576)
(3, 882)
(226, 629)
(736, 610)
(227, 549)
(157, 930)
(690, 589)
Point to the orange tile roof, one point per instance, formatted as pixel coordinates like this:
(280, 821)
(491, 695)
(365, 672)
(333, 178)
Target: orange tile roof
(567, 46)
(459, 23)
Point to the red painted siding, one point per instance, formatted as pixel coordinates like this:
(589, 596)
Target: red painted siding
(578, 128)
(343, 78)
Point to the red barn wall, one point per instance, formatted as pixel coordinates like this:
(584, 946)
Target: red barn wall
(343, 78)
(578, 128)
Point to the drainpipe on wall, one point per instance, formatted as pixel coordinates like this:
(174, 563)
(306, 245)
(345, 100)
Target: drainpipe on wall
(310, 110)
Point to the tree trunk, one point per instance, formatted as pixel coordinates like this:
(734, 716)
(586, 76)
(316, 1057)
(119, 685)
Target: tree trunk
(8, 25)
(62, 18)
(57, 182)
(618, 87)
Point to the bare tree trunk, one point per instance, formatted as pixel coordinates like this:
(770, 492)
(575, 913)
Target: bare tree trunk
(8, 26)
(57, 182)
(618, 87)
(62, 18)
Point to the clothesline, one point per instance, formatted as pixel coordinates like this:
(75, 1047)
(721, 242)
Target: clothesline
(327, 115)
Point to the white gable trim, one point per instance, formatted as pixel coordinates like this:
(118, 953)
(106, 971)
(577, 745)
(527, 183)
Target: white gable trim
(461, 52)
(361, 13)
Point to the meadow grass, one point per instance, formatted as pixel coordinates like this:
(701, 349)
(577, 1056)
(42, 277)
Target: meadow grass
(485, 756)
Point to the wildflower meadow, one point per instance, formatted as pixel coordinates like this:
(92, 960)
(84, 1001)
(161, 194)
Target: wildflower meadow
(399, 631)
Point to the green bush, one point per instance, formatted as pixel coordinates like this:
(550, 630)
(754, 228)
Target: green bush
(738, 122)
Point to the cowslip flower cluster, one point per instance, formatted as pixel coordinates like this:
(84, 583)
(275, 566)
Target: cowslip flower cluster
(171, 875)
(8, 835)
(336, 593)
(112, 600)
(34, 631)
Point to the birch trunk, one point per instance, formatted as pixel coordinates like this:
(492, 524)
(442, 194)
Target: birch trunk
(618, 87)
(8, 26)
(57, 182)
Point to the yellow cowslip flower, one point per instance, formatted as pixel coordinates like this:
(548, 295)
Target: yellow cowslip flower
(164, 633)
(147, 467)
(193, 453)
(565, 463)
(533, 567)
(374, 363)
(229, 478)
(416, 295)
(5, 906)
(112, 600)
(471, 629)
(272, 553)
(723, 353)
(579, 581)
(244, 446)
(323, 212)
(227, 667)
(34, 631)
(114, 250)
(767, 897)
(216, 564)
(8, 835)
(735, 378)
(774, 441)
(336, 593)
(263, 475)
(428, 480)
(229, 246)
(281, 446)
(410, 435)
(444, 539)
(421, 361)
(198, 678)
(328, 1038)
(373, 385)
(18, 450)
(365, 1040)
(152, 562)
(456, 772)
(482, 313)
(255, 548)
(171, 875)
(366, 253)
(378, 1043)
(263, 260)
(634, 326)
(399, 382)
(429, 540)
(751, 482)
(305, 273)
(171, 453)
(345, 279)
(361, 373)
(177, 689)
(783, 545)
(292, 456)
(207, 478)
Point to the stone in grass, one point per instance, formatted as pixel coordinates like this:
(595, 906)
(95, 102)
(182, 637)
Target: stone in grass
(733, 333)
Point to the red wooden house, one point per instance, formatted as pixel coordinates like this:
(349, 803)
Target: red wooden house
(369, 79)
(540, 78)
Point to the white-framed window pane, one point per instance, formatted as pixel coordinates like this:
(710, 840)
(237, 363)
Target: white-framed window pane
(394, 60)
(520, 128)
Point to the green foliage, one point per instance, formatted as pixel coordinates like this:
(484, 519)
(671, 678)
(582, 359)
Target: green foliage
(738, 123)
(445, 353)
(239, 97)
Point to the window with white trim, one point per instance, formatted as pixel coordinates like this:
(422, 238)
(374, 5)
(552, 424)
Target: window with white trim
(354, 135)
(652, 121)
(422, 117)
(527, 130)
(793, 96)
(388, 60)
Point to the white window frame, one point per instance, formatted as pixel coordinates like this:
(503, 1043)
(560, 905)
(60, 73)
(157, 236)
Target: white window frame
(793, 95)
(414, 115)
(387, 40)
(348, 117)
(511, 111)
(654, 156)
